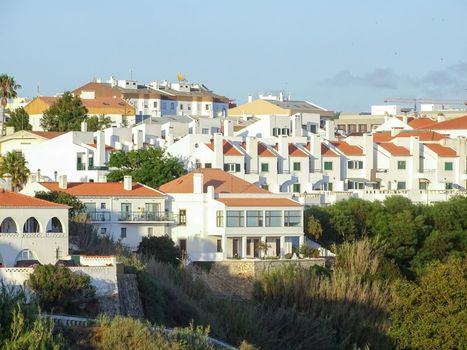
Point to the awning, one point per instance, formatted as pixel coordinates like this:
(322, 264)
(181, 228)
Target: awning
(423, 180)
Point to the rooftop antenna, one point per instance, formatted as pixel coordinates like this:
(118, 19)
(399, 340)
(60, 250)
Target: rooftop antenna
(131, 74)
(38, 90)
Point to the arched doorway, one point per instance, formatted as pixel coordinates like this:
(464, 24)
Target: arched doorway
(8, 225)
(31, 226)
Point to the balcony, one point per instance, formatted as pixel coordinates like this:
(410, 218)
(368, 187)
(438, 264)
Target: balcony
(99, 216)
(96, 167)
(133, 216)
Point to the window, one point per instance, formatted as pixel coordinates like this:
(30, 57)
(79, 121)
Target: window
(423, 185)
(103, 205)
(90, 161)
(264, 167)
(219, 246)
(265, 187)
(219, 218)
(275, 132)
(448, 186)
(123, 232)
(182, 216)
(90, 207)
(150, 231)
(312, 128)
(205, 131)
(327, 186)
(401, 164)
(362, 128)
(353, 185)
(154, 104)
(327, 165)
(232, 167)
(296, 188)
(235, 218)
(206, 106)
(208, 165)
(181, 106)
(285, 131)
(448, 166)
(292, 218)
(103, 230)
(254, 218)
(401, 185)
(273, 218)
(79, 162)
(189, 107)
(355, 164)
(296, 166)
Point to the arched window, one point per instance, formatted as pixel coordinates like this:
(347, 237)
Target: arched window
(25, 254)
(54, 225)
(8, 226)
(31, 226)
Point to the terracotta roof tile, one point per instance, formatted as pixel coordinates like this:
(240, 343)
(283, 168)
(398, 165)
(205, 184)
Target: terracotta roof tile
(10, 199)
(452, 124)
(395, 150)
(228, 148)
(441, 150)
(263, 150)
(259, 202)
(347, 149)
(327, 152)
(294, 151)
(104, 189)
(107, 147)
(47, 134)
(422, 123)
(222, 181)
(422, 135)
(382, 136)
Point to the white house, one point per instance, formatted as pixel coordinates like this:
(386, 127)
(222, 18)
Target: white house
(126, 211)
(222, 216)
(32, 230)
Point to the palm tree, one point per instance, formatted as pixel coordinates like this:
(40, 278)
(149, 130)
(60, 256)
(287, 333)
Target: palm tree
(13, 163)
(8, 87)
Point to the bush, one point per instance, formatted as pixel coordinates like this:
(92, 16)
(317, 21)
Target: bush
(309, 252)
(59, 289)
(160, 248)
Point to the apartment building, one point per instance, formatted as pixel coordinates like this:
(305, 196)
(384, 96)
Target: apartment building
(125, 211)
(221, 216)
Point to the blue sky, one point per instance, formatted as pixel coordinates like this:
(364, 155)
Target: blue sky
(343, 55)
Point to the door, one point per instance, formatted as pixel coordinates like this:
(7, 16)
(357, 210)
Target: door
(125, 211)
(235, 247)
(278, 246)
(152, 211)
(256, 248)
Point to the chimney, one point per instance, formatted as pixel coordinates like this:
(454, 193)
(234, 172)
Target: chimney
(252, 151)
(198, 182)
(441, 118)
(228, 128)
(62, 182)
(102, 178)
(250, 98)
(218, 151)
(127, 183)
(368, 152)
(8, 185)
(84, 126)
(404, 119)
(329, 130)
(210, 191)
(139, 139)
(297, 125)
(284, 152)
(99, 157)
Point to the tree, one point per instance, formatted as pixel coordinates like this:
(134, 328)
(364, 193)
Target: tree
(8, 87)
(77, 207)
(19, 119)
(151, 166)
(313, 227)
(160, 248)
(432, 314)
(60, 289)
(14, 164)
(96, 123)
(66, 114)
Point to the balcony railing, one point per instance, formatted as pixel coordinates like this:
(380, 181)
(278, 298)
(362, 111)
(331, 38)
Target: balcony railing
(99, 216)
(134, 216)
(97, 167)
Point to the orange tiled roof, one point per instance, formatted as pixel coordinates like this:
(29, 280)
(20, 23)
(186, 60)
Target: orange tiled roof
(294, 151)
(452, 124)
(10, 199)
(441, 150)
(347, 149)
(263, 150)
(382, 136)
(107, 147)
(327, 152)
(228, 148)
(394, 149)
(421, 123)
(47, 134)
(222, 181)
(259, 202)
(104, 189)
(422, 135)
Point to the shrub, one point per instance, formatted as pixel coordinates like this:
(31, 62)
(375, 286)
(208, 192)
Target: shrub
(308, 252)
(58, 288)
(159, 248)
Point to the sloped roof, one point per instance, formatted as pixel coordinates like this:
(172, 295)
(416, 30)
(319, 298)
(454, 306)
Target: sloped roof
(259, 202)
(47, 134)
(294, 151)
(228, 148)
(263, 150)
(422, 135)
(441, 150)
(327, 152)
(395, 150)
(348, 149)
(103, 189)
(222, 181)
(452, 124)
(10, 199)
(422, 123)
(382, 136)
(107, 147)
